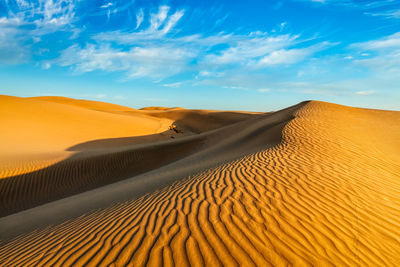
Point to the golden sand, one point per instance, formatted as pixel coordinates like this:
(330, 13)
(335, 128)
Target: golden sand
(328, 193)
(53, 147)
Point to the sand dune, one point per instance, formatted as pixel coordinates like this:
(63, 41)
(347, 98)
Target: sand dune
(314, 184)
(37, 133)
(54, 147)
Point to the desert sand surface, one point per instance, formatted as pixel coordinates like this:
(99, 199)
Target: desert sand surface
(53, 147)
(314, 184)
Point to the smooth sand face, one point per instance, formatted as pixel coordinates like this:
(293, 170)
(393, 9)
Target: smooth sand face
(327, 194)
(37, 132)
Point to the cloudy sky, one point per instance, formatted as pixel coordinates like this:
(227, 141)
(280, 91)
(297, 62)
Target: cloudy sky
(239, 55)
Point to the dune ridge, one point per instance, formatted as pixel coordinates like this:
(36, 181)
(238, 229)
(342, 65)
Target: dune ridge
(326, 193)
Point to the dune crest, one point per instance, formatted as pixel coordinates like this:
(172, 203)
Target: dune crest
(328, 193)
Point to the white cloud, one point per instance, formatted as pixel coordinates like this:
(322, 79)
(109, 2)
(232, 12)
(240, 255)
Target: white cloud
(365, 93)
(266, 51)
(333, 76)
(384, 59)
(283, 25)
(153, 52)
(154, 32)
(48, 15)
(12, 48)
(10, 22)
(156, 62)
(206, 73)
(22, 3)
(93, 58)
(149, 54)
(253, 50)
(355, 3)
(247, 48)
(157, 19)
(174, 85)
(28, 22)
(172, 21)
(139, 18)
(388, 42)
(284, 56)
(392, 14)
(107, 5)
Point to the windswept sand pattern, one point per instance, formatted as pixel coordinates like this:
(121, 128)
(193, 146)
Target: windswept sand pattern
(78, 174)
(328, 194)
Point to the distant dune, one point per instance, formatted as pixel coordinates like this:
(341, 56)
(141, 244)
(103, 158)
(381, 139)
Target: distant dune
(91, 183)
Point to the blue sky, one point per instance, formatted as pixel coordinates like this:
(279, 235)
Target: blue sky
(237, 55)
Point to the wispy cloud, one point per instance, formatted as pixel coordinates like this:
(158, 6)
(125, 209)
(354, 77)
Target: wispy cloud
(364, 4)
(174, 85)
(139, 18)
(157, 52)
(155, 62)
(365, 93)
(145, 56)
(160, 25)
(391, 14)
(28, 21)
(157, 19)
(375, 74)
(107, 5)
(172, 21)
(46, 15)
(245, 48)
(387, 42)
(385, 55)
(12, 48)
(291, 56)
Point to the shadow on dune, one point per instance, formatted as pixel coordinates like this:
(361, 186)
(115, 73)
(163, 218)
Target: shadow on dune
(103, 162)
(186, 123)
(94, 164)
(198, 121)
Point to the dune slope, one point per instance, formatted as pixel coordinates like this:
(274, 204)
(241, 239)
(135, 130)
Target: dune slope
(327, 194)
(38, 132)
(53, 147)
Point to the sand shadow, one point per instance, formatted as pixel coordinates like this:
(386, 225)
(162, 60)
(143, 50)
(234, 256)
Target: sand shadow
(95, 163)
(106, 161)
